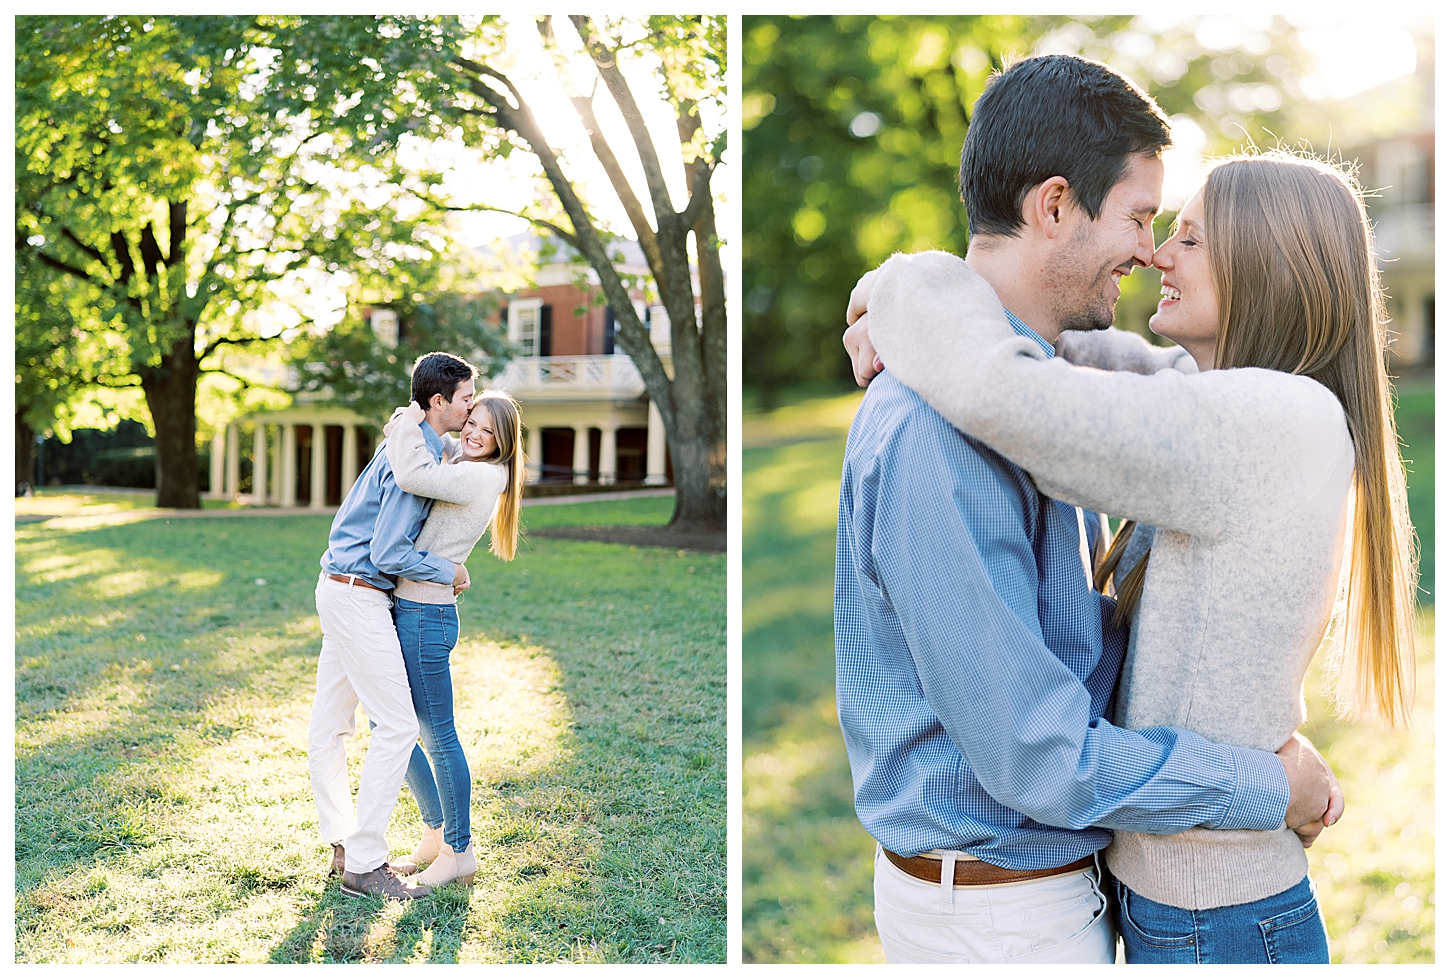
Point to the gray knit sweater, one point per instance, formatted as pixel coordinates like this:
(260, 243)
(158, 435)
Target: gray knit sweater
(1244, 476)
(464, 495)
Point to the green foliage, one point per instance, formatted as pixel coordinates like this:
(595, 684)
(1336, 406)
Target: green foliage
(173, 172)
(349, 365)
(853, 132)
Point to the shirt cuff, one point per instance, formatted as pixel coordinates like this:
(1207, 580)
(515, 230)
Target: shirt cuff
(1261, 791)
(443, 571)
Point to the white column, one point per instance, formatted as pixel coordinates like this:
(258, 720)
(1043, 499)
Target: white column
(349, 458)
(608, 454)
(319, 467)
(278, 471)
(287, 473)
(218, 466)
(234, 460)
(581, 454)
(654, 457)
(535, 454)
(259, 464)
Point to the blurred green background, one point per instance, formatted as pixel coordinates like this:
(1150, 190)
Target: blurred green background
(854, 126)
(823, 205)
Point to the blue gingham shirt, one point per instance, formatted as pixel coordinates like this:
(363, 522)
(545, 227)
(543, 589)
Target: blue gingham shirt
(975, 665)
(373, 533)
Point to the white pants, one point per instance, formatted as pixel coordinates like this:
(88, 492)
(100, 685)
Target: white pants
(360, 662)
(1054, 919)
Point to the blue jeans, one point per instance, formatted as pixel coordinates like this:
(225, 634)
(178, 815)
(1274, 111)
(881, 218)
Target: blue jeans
(427, 634)
(1280, 929)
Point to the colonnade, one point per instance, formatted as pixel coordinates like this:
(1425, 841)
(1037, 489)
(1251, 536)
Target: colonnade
(274, 454)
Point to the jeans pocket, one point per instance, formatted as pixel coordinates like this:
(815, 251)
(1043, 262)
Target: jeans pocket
(1296, 936)
(1155, 932)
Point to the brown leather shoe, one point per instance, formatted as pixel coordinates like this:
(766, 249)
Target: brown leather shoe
(337, 861)
(383, 881)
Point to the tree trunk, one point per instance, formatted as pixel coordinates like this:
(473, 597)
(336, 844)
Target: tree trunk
(24, 452)
(171, 398)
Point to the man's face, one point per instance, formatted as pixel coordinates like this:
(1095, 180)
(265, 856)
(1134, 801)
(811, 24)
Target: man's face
(455, 412)
(1083, 271)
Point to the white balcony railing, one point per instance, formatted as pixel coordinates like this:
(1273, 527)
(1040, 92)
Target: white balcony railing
(600, 376)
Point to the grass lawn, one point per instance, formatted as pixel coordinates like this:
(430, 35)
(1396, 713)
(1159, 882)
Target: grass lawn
(163, 680)
(807, 861)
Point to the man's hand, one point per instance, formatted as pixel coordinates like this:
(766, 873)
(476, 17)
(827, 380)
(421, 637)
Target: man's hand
(864, 362)
(460, 578)
(1315, 798)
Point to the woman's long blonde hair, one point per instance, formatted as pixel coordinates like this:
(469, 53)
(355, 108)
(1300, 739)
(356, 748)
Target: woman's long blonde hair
(508, 437)
(1293, 263)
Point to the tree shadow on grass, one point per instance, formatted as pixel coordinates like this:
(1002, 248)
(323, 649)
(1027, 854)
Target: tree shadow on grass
(608, 846)
(338, 928)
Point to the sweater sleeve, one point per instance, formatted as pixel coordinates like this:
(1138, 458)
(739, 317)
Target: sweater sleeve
(1120, 350)
(416, 472)
(1196, 453)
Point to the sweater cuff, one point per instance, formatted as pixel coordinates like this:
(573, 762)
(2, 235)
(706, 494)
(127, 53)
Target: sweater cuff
(1261, 791)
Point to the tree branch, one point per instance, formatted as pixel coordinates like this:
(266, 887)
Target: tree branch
(211, 348)
(608, 67)
(699, 196)
(95, 253)
(584, 106)
(57, 264)
(122, 249)
(176, 221)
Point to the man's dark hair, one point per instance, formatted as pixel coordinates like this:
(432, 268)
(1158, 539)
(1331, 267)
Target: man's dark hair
(439, 373)
(1053, 116)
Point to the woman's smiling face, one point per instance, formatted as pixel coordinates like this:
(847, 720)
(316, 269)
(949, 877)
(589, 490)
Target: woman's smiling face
(1188, 312)
(477, 434)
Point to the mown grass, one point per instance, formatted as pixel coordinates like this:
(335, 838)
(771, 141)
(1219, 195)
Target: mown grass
(808, 863)
(163, 683)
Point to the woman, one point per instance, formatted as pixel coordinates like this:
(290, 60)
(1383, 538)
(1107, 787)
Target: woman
(1272, 482)
(482, 485)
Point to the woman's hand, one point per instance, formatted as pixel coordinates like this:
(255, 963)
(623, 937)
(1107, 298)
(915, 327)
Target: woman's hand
(857, 340)
(410, 411)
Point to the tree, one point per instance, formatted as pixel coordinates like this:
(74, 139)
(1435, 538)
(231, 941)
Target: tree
(352, 366)
(174, 170)
(691, 55)
(853, 132)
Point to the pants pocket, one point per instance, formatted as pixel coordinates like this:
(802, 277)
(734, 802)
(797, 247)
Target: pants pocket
(1154, 932)
(1296, 936)
(1064, 921)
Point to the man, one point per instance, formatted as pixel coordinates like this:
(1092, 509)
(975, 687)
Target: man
(370, 545)
(975, 663)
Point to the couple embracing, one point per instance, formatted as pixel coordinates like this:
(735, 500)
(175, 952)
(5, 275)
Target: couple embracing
(386, 600)
(1054, 731)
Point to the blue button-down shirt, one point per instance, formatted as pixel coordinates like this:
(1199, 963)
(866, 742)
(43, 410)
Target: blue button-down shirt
(373, 533)
(975, 665)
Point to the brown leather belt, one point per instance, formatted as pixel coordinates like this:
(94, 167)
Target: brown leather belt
(354, 580)
(969, 872)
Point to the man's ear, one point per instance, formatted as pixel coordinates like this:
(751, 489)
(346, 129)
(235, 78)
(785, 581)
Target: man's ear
(1046, 206)
(436, 402)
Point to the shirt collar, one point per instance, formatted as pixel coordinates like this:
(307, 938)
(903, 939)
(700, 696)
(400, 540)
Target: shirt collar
(1023, 330)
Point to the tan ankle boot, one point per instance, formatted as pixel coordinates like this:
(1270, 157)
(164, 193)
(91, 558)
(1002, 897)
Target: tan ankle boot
(449, 867)
(423, 854)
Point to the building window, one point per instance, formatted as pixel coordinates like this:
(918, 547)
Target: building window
(385, 326)
(608, 330)
(525, 319)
